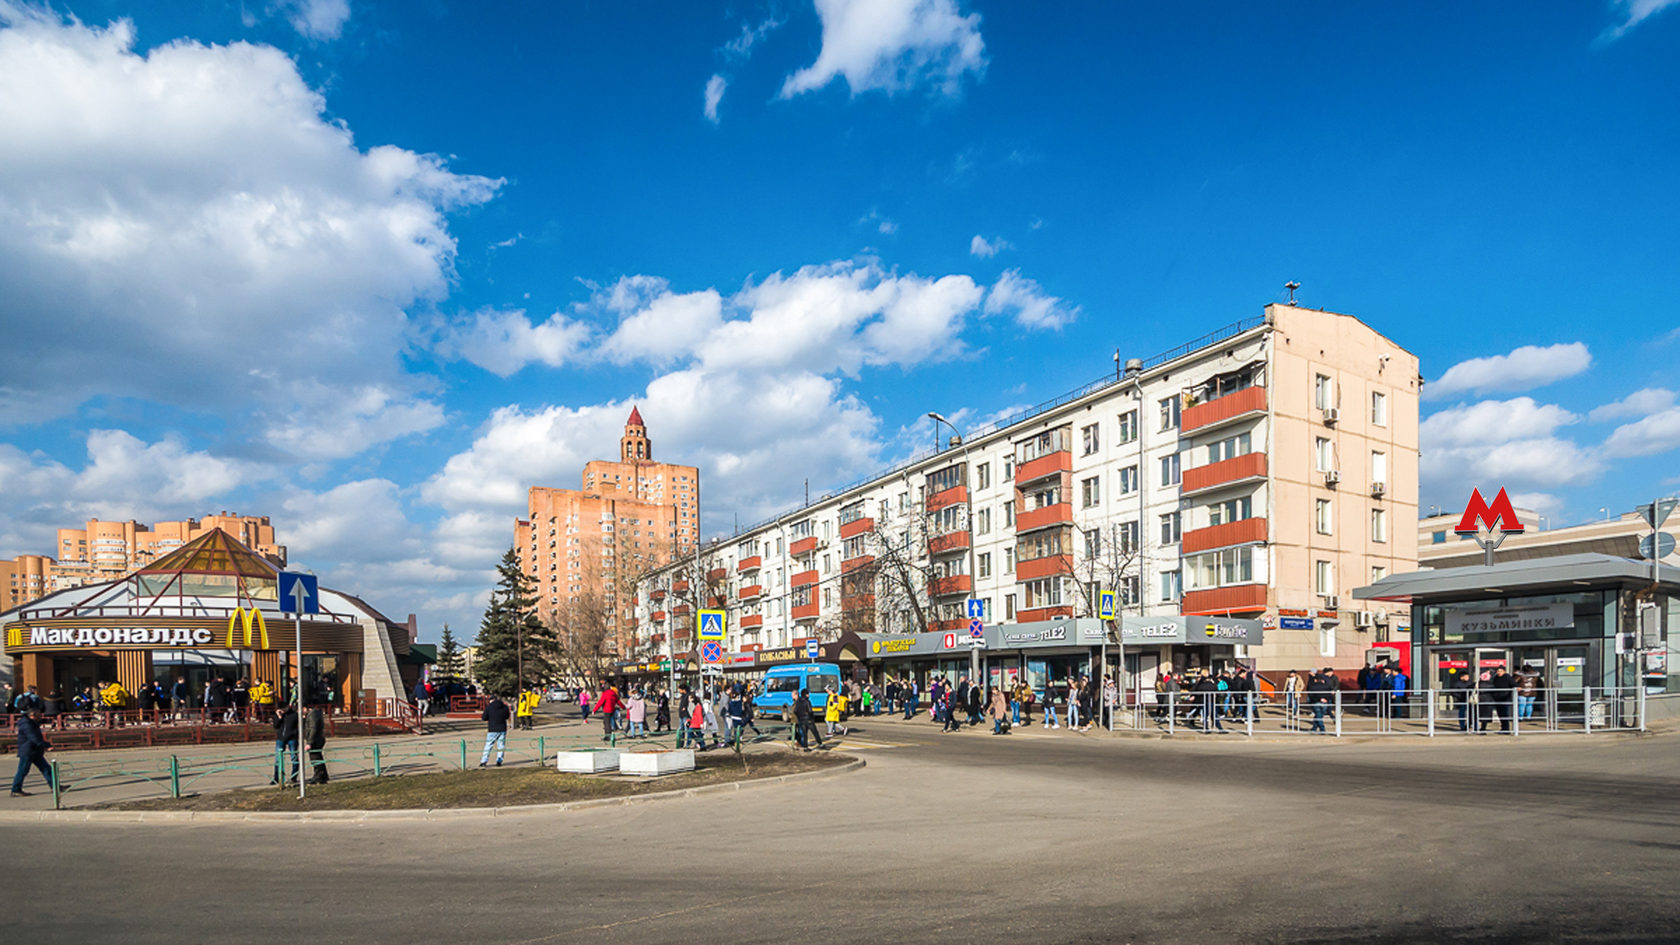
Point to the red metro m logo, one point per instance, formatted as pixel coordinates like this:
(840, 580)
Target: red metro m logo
(1489, 524)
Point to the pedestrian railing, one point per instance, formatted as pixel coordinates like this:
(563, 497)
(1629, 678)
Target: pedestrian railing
(132, 728)
(1425, 712)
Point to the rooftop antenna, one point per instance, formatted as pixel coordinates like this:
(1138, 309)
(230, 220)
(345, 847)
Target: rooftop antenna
(1292, 286)
(1117, 364)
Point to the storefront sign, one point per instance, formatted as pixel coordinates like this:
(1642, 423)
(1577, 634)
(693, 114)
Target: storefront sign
(1171, 630)
(891, 645)
(111, 636)
(785, 655)
(1296, 623)
(1517, 620)
(1013, 638)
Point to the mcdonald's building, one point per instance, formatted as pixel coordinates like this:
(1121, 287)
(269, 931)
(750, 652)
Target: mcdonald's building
(207, 609)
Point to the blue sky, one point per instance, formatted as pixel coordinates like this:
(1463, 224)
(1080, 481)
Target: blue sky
(373, 269)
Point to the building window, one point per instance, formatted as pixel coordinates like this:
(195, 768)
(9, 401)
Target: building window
(1437, 538)
(1088, 439)
(1128, 480)
(1379, 525)
(1043, 592)
(1228, 448)
(1379, 408)
(1322, 517)
(1093, 542)
(1220, 568)
(1325, 454)
(1171, 527)
(1129, 590)
(1128, 427)
(1009, 558)
(984, 564)
(983, 476)
(1324, 392)
(1379, 468)
(1044, 444)
(1090, 495)
(1378, 572)
(1324, 578)
(1126, 533)
(1172, 585)
(1327, 641)
(1169, 413)
(1231, 510)
(983, 521)
(1009, 515)
(1009, 606)
(1170, 473)
(1009, 467)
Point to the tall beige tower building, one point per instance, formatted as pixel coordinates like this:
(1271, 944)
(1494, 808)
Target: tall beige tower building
(586, 547)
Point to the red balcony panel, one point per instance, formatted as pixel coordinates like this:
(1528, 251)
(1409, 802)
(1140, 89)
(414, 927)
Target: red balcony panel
(1223, 601)
(750, 564)
(1225, 472)
(858, 602)
(658, 594)
(854, 564)
(1046, 465)
(679, 587)
(857, 526)
(950, 541)
(658, 616)
(954, 584)
(714, 602)
(1044, 567)
(657, 639)
(806, 611)
(944, 497)
(717, 574)
(749, 591)
(752, 621)
(681, 633)
(681, 610)
(1249, 400)
(803, 546)
(803, 578)
(946, 626)
(1043, 613)
(1241, 532)
(1059, 514)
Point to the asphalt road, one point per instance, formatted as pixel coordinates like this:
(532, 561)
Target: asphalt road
(1030, 838)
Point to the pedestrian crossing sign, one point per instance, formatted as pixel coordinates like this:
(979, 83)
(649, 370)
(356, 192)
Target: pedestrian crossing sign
(1105, 605)
(712, 624)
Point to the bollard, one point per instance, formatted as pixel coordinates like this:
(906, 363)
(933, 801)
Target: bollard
(542, 751)
(378, 767)
(1432, 697)
(463, 754)
(174, 777)
(55, 784)
(1338, 713)
(1248, 714)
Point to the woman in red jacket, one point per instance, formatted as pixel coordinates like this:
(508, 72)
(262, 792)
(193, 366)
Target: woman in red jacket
(607, 705)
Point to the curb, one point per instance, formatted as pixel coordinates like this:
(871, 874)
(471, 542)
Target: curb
(439, 813)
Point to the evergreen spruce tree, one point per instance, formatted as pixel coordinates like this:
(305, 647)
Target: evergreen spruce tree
(449, 660)
(510, 629)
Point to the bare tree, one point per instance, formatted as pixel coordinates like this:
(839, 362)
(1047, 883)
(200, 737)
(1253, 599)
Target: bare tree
(1107, 558)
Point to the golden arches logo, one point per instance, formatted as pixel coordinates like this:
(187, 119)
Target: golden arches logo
(14, 635)
(249, 618)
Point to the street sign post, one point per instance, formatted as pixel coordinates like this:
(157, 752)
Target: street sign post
(976, 629)
(713, 624)
(976, 609)
(1664, 546)
(1651, 547)
(711, 651)
(813, 648)
(1105, 605)
(302, 592)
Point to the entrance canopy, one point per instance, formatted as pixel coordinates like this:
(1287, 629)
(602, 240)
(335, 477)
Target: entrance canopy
(1516, 579)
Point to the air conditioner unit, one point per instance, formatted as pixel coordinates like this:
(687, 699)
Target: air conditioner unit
(1378, 488)
(1331, 415)
(1362, 618)
(1330, 602)
(1332, 476)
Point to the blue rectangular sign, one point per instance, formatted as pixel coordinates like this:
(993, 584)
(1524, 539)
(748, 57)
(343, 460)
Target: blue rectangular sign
(813, 648)
(1295, 623)
(290, 583)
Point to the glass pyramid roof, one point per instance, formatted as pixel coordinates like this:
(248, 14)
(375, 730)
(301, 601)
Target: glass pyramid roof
(214, 552)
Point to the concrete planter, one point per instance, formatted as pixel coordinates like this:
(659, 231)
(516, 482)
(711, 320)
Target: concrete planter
(655, 763)
(587, 760)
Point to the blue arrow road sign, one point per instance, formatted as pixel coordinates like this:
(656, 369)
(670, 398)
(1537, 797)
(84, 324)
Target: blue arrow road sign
(291, 600)
(812, 648)
(976, 608)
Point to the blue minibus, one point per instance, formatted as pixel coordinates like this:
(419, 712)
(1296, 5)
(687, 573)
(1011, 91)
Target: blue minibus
(782, 685)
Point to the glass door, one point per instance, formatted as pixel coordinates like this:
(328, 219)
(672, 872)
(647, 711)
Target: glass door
(1566, 682)
(1493, 708)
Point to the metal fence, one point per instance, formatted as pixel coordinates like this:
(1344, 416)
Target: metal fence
(147, 728)
(1425, 712)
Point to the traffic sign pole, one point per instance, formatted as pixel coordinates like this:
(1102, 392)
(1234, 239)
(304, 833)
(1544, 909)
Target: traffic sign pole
(298, 595)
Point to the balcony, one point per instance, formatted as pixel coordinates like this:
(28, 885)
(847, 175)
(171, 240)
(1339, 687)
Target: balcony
(1059, 514)
(803, 546)
(717, 574)
(752, 621)
(945, 497)
(681, 633)
(803, 579)
(1046, 465)
(857, 526)
(750, 564)
(856, 564)
(1245, 404)
(749, 591)
(657, 639)
(681, 610)
(947, 626)
(1241, 532)
(1224, 601)
(806, 611)
(1047, 566)
(953, 584)
(950, 541)
(857, 602)
(679, 587)
(1249, 467)
(1043, 613)
(658, 616)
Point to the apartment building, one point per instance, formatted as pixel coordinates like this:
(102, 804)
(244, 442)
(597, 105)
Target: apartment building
(104, 550)
(584, 547)
(1255, 472)
(24, 579)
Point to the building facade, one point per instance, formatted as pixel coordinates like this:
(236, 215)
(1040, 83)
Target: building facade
(585, 547)
(23, 579)
(1439, 545)
(1253, 473)
(102, 550)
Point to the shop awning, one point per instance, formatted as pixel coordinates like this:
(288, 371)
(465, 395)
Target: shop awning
(1515, 578)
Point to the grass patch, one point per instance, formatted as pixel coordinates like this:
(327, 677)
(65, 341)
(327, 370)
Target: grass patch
(491, 787)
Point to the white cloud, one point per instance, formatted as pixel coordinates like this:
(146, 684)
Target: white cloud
(337, 422)
(1635, 13)
(740, 48)
(1492, 421)
(1540, 462)
(316, 19)
(173, 207)
(504, 342)
(1642, 402)
(1524, 368)
(1657, 433)
(664, 326)
(714, 95)
(986, 249)
(1017, 295)
(882, 225)
(892, 45)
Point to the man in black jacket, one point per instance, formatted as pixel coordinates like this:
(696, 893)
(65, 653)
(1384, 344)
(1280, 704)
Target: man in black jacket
(495, 730)
(285, 743)
(32, 751)
(1504, 687)
(1207, 699)
(1319, 689)
(315, 736)
(804, 722)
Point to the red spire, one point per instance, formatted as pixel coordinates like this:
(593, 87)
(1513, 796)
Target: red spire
(635, 418)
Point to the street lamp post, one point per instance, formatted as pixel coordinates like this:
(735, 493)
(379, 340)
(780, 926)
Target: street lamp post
(974, 651)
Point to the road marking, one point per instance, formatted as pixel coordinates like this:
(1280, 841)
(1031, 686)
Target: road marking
(863, 745)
